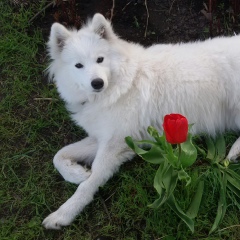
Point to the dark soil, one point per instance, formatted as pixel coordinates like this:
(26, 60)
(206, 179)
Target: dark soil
(169, 20)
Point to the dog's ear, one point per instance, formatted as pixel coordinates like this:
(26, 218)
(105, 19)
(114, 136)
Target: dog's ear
(58, 36)
(102, 27)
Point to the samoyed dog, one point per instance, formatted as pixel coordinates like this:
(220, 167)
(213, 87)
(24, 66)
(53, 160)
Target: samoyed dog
(114, 88)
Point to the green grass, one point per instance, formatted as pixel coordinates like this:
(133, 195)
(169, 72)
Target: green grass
(32, 131)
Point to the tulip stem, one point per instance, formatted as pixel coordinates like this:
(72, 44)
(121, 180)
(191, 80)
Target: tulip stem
(179, 153)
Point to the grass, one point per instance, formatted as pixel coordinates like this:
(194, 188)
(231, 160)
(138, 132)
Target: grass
(32, 131)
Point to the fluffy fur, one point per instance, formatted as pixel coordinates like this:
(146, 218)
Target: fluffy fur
(136, 87)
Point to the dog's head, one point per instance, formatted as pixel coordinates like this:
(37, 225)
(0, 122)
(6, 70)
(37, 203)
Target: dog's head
(81, 60)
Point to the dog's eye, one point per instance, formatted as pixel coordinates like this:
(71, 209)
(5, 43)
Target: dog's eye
(100, 60)
(79, 65)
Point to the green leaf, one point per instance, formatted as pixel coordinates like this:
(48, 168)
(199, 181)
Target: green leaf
(158, 185)
(234, 182)
(220, 148)
(217, 150)
(171, 157)
(211, 149)
(233, 190)
(165, 182)
(176, 208)
(153, 155)
(134, 146)
(190, 126)
(201, 151)
(155, 134)
(146, 142)
(235, 199)
(158, 202)
(195, 204)
(170, 180)
(235, 167)
(182, 175)
(222, 204)
(188, 152)
(166, 177)
(233, 172)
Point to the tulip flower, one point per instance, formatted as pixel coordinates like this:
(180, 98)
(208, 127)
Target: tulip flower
(176, 128)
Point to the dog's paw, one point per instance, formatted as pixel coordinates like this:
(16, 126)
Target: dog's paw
(77, 175)
(72, 172)
(234, 152)
(57, 220)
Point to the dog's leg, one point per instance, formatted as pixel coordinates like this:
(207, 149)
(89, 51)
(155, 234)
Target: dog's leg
(234, 152)
(67, 160)
(108, 159)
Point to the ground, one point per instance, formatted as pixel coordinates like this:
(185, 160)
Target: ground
(35, 125)
(169, 21)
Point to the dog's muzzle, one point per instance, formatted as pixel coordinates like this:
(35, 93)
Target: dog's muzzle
(97, 84)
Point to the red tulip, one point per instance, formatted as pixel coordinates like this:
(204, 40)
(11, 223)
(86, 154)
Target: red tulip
(176, 128)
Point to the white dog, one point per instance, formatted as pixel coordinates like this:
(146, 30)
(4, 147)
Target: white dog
(114, 88)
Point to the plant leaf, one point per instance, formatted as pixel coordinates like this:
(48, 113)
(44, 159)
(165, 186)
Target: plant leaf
(188, 152)
(182, 175)
(176, 208)
(146, 142)
(211, 149)
(235, 198)
(233, 190)
(153, 155)
(222, 204)
(220, 148)
(171, 157)
(158, 185)
(233, 173)
(195, 204)
(234, 182)
(201, 151)
(158, 202)
(134, 146)
(165, 182)
(235, 167)
(155, 134)
(190, 126)
(170, 180)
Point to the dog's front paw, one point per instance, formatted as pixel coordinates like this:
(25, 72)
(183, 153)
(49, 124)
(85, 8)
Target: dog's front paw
(56, 220)
(234, 152)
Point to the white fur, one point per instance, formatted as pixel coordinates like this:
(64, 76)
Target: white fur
(200, 80)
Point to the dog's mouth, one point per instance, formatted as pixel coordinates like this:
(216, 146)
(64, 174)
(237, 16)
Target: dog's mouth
(97, 90)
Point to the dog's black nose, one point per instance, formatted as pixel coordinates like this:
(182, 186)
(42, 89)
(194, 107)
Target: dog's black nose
(97, 83)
